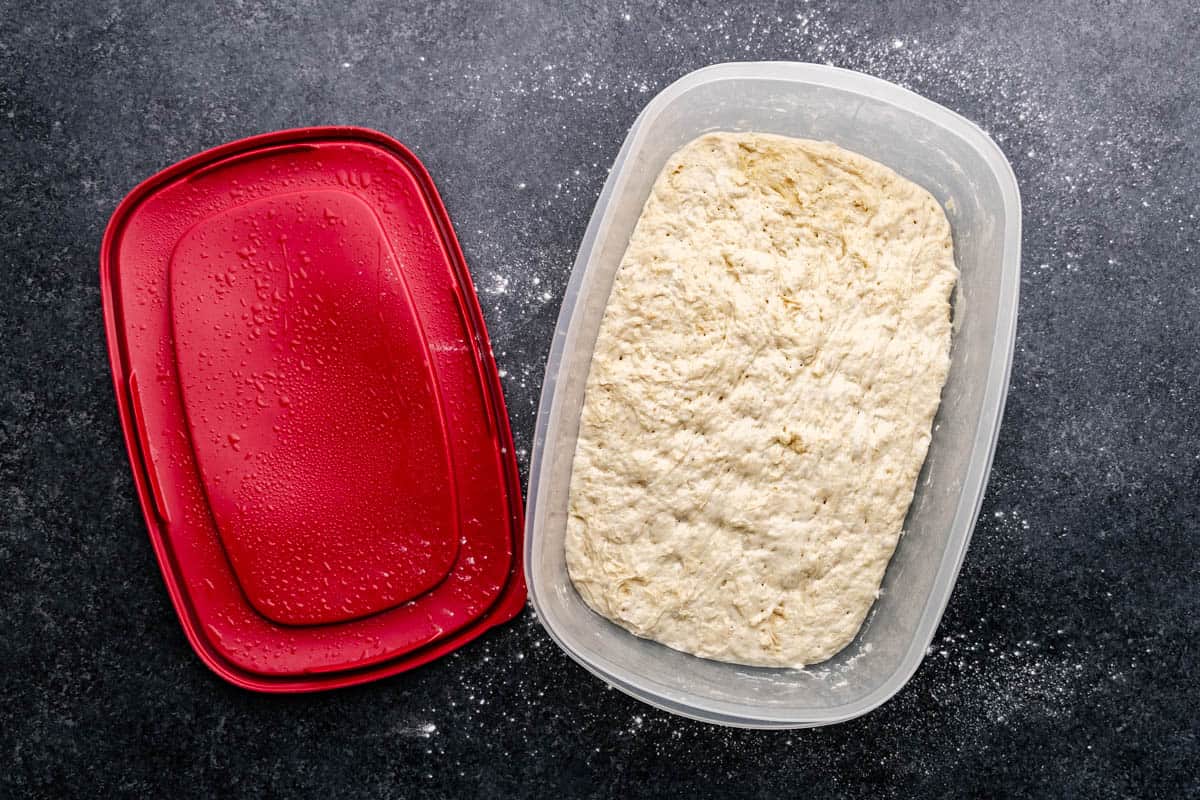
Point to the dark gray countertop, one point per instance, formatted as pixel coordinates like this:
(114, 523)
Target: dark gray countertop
(1066, 662)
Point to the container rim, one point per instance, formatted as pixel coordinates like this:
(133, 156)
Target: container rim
(995, 393)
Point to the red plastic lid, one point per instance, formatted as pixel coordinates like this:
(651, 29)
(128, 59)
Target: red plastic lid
(312, 410)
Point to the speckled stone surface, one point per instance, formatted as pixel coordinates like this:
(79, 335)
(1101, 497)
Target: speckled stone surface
(1066, 662)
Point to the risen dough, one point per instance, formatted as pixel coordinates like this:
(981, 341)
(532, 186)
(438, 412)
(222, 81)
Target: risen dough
(760, 399)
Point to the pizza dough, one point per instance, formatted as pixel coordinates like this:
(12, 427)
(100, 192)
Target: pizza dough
(760, 399)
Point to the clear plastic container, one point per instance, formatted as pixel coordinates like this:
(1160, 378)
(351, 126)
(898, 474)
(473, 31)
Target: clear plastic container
(973, 181)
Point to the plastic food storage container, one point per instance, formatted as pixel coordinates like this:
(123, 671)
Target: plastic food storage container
(973, 181)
